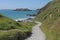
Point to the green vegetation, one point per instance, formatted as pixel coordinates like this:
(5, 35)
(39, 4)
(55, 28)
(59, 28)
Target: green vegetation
(7, 24)
(27, 25)
(12, 30)
(50, 18)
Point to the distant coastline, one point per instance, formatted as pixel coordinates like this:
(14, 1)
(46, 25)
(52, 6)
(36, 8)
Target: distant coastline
(31, 14)
(22, 9)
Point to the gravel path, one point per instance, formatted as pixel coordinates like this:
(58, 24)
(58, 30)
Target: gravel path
(37, 33)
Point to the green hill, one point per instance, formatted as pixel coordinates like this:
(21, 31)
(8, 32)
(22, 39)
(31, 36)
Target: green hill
(50, 18)
(7, 24)
(12, 30)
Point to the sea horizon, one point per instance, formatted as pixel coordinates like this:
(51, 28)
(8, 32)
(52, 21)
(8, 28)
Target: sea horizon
(18, 15)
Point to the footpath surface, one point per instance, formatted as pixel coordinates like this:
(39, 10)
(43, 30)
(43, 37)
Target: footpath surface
(37, 33)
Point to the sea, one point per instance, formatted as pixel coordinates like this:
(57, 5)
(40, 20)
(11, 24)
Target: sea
(15, 15)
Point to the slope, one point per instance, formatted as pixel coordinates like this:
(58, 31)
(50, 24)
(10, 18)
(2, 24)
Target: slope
(50, 18)
(12, 30)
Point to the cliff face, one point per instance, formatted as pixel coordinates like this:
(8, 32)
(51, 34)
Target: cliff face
(50, 18)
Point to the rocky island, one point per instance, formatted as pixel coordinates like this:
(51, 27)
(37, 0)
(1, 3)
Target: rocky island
(22, 9)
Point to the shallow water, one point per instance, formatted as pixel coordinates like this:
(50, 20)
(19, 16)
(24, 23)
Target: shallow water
(17, 14)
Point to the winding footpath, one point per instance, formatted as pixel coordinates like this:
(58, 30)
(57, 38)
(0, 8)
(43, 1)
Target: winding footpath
(37, 33)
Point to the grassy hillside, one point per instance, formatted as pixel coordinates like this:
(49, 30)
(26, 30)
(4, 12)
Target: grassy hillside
(50, 18)
(12, 30)
(7, 24)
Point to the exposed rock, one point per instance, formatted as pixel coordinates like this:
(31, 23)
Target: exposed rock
(31, 14)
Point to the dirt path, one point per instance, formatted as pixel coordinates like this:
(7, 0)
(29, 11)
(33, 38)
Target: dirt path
(37, 33)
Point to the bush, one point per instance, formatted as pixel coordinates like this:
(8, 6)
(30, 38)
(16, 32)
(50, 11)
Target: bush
(1, 16)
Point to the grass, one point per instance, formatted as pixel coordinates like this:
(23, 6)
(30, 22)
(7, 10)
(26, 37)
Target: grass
(27, 25)
(50, 18)
(7, 24)
(52, 31)
(12, 30)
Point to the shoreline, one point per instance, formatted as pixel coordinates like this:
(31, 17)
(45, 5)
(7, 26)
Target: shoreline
(22, 19)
